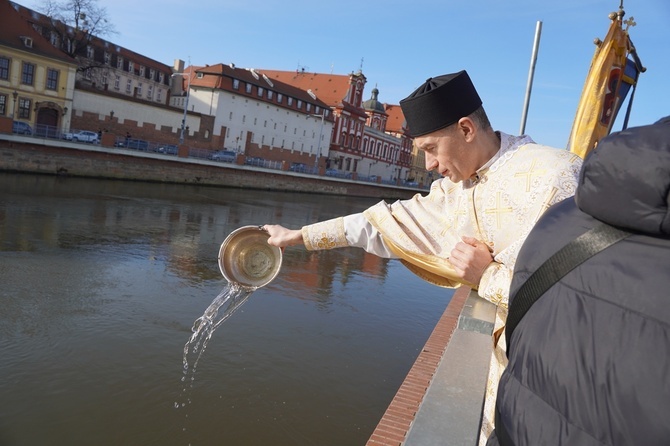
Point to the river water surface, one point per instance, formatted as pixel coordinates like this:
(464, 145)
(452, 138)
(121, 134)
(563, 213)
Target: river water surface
(102, 281)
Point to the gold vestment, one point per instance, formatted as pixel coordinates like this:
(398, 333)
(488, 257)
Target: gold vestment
(498, 206)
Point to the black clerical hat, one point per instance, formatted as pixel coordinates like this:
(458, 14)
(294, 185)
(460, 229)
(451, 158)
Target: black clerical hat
(440, 102)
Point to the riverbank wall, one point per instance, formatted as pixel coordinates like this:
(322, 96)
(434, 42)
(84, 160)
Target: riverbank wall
(55, 157)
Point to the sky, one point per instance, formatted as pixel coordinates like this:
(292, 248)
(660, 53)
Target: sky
(400, 44)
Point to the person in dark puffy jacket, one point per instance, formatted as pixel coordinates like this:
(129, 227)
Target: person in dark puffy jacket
(589, 363)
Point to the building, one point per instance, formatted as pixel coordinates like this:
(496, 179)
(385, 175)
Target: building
(112, 88)
(36, 79)
(386, 150)
(315, 122)
(344, 95)
(103, 65)
(361, 143)
(256, 116)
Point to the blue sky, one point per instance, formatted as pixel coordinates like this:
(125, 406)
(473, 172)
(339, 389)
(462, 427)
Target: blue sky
(399, 44)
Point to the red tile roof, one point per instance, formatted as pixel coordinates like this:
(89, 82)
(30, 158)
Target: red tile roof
(14, 26)
(330, 88)
(30, 16)
(396, 119)
(220, 76)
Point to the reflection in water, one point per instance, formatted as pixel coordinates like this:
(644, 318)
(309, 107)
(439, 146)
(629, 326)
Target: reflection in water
(102, 282)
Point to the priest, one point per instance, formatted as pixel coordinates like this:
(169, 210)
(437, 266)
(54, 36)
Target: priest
(468, 229)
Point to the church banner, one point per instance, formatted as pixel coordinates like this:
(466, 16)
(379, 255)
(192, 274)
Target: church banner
(610, 78)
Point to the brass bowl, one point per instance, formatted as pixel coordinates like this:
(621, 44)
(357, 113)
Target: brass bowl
(246, 259)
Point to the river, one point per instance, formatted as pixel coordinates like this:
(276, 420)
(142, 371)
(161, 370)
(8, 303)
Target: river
(102, 281)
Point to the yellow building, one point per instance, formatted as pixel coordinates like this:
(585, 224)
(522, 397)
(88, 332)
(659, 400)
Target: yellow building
(36, 79)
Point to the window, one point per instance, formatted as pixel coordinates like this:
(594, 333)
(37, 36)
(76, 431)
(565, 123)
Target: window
(90, 52)
(150, 91)
(152, 74)
(142, 70)
(161, 77)
(279, 97)
(299, 105)
(131, 66)
(24, 108)
(107, 58)
(139, 89)
(248, 88)
(117, 82)
(28, 73)
(270, 92)
(119, 63)
(309, 107)
(159, 95)
(4, 68)
(3, 104)
(236, 84)
(129, 86)
(289, 100)
(52, 79)
(260, 92)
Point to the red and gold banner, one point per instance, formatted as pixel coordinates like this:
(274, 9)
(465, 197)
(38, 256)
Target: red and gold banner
(609, 79)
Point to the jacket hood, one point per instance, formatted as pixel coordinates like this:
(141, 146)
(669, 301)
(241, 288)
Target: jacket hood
(625, 180)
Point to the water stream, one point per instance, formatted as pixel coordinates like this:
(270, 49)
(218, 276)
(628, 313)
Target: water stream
(229, 300)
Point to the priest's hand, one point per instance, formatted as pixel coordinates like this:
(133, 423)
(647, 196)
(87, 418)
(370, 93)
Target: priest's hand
(470, 258)
(281, 236)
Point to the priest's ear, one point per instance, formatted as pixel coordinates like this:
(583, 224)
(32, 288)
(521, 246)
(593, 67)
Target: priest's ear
(467, 128)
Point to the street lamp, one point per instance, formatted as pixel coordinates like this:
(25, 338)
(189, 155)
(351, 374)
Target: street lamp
(188, 94)
(14, 95)
(318, 150)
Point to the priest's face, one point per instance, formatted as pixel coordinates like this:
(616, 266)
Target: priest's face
(449, 153)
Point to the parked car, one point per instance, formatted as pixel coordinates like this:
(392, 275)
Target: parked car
(82, 136)
(21, 128)
(169, 149)
(227, 156)
(137, 144)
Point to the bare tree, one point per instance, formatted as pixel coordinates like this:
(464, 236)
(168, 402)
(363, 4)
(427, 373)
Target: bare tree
(75, 24)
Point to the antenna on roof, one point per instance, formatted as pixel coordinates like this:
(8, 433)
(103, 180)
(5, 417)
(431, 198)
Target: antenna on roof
(361, 68)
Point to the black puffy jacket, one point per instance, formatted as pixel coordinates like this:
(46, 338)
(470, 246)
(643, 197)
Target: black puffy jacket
(589, 364)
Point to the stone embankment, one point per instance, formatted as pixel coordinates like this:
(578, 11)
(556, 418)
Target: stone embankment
(55, 157)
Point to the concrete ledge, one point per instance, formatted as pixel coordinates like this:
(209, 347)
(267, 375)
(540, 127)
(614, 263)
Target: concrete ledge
(441, 400)
(451, 410)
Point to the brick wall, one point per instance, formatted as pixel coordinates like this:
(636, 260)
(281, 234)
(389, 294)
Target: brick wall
(63, 158)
